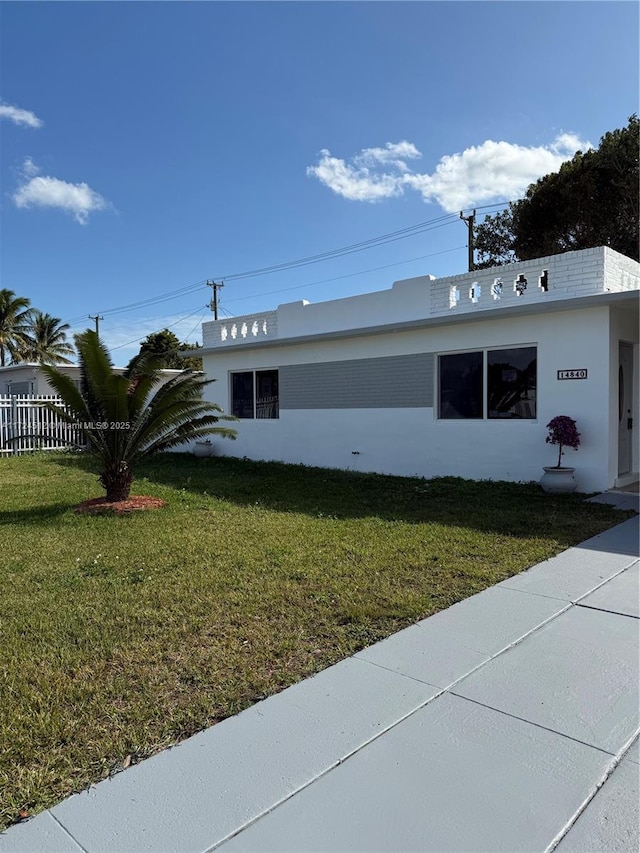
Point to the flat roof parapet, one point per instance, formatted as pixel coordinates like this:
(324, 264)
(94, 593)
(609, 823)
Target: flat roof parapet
(512, 288)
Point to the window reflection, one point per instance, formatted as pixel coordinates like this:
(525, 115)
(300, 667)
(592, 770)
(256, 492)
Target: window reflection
(511, 383)
(461, 385)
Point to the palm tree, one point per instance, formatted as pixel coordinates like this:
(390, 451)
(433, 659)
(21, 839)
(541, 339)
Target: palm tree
(15, 321)
(46, 342)
(123, 419)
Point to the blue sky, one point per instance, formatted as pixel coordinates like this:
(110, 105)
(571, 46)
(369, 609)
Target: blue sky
(148, 147)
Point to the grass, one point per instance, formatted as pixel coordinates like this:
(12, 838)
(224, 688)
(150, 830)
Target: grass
(121, 636)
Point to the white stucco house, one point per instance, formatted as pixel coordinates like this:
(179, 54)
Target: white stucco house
(28, 379)
(450, 376)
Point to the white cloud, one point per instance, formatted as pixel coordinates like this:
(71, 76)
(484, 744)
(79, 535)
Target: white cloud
(44, 191)
(29, 168)
(19, 116)
(488, 172)
(359, 180)
(394, 153)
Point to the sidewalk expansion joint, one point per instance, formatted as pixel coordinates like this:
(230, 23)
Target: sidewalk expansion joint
(441, 691)
(607, 610)
(490, 657)
(583, 807)
(606, 580)
(326, 771)
(505, 583)
(66, 832)
(536, 725)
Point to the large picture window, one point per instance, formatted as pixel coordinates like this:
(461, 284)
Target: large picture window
(493, 384)
(254, 394)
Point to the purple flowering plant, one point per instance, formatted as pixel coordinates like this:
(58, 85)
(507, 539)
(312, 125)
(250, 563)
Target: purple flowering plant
(563, 432)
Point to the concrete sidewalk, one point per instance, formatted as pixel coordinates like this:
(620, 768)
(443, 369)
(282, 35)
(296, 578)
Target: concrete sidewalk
(508, 722)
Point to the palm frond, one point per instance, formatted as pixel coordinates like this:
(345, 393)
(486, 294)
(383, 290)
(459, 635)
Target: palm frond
(126, 419)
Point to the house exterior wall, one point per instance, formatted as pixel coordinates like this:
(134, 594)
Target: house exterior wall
(359, 376)
(411, 440)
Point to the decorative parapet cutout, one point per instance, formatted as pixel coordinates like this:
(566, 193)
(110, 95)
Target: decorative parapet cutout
(454, 296)
(245, 328)
(543, 281)
(496, 289)
(520, 285)
(474, 292)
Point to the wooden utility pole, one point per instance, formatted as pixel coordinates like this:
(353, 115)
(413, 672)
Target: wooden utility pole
(97, 318)
(470, 220)
(214, 302)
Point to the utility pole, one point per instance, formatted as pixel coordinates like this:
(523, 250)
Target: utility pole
(470, 220)
(97, 318)
(214, 302)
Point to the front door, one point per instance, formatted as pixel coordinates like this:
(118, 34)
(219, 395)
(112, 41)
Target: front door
(625, 409)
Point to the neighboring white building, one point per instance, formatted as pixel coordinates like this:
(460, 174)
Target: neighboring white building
(28, 379)
(452, 376)
(26, 425)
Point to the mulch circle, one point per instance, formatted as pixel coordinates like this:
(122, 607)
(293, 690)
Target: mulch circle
(101, 506)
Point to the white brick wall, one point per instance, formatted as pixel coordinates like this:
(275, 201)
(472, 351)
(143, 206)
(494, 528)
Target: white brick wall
(621, 273)
(571, 274)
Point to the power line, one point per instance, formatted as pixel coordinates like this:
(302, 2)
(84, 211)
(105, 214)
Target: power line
(347, 275)
(410, 231)
(172, 326)
(403, 233)
(384, 239)
(154, 300)
(198, 323)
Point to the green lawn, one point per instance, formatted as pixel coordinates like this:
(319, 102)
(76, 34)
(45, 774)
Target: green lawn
(121, 636)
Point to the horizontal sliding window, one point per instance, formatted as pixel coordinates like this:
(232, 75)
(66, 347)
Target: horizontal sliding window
(254, 394)
(493, 384)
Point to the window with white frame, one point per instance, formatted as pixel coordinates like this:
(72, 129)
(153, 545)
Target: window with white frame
(254, 394)
(488, 384)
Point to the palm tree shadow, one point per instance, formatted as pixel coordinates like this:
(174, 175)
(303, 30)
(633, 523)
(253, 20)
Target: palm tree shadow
(34, 515)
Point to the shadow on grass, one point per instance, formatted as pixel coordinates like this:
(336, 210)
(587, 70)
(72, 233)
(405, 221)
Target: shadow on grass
(34, 515)
(515, 509)
(510, 509)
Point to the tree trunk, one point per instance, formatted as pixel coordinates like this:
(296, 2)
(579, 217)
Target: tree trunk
(117, 483)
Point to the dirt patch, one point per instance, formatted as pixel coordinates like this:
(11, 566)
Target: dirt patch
(101, 506)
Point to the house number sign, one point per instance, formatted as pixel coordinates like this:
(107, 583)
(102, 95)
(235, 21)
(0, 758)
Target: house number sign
(572, 374)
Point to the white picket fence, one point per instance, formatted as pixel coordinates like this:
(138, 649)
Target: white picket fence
(26, 424)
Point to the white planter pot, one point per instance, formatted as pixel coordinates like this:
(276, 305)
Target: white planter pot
(558, 481)
(202, 448)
